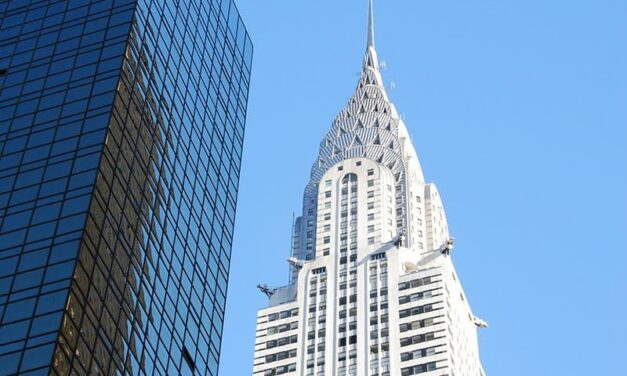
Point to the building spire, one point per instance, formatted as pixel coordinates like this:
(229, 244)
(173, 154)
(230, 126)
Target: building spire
(370, 60)
(370, 24)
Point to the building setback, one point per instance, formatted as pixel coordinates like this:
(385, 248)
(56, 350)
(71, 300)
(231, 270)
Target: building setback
(121, 128)
(373, 289)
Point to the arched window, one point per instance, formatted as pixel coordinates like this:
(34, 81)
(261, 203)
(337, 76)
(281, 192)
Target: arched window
(349, 178)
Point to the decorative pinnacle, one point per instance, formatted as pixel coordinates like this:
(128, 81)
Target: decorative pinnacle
(370, 24)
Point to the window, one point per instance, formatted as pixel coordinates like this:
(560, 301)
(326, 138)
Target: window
(327, 183)
(327, 194)
(371, 183)
(371, 240)
(371, 172)
(415, 311)
(421, 368)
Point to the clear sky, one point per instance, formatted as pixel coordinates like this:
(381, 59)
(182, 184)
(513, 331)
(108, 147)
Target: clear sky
(518, 111)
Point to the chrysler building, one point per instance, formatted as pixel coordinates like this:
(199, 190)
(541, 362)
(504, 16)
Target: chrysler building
(373, 290)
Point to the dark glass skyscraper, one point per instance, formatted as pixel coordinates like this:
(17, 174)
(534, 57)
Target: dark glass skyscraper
(121, 129)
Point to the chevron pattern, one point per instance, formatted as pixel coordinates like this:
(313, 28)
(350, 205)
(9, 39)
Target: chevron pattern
(368, 126)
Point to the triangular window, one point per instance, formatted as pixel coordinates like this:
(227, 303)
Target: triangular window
(377, 140)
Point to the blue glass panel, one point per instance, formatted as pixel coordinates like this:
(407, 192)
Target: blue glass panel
(46, 323)
(37, 357)
(51, 302)
(9, 363)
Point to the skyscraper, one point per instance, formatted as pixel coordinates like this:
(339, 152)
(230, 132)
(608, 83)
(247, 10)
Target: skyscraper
(121, 129)
(373, 289)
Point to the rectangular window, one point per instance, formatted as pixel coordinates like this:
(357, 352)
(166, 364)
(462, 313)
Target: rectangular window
(370, 172)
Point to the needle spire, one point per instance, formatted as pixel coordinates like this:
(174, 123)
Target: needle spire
(370, 24)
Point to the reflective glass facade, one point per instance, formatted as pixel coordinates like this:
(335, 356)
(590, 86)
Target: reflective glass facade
(121, 130)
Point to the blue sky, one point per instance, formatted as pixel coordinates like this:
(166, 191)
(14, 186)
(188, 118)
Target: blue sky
(518, 111)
